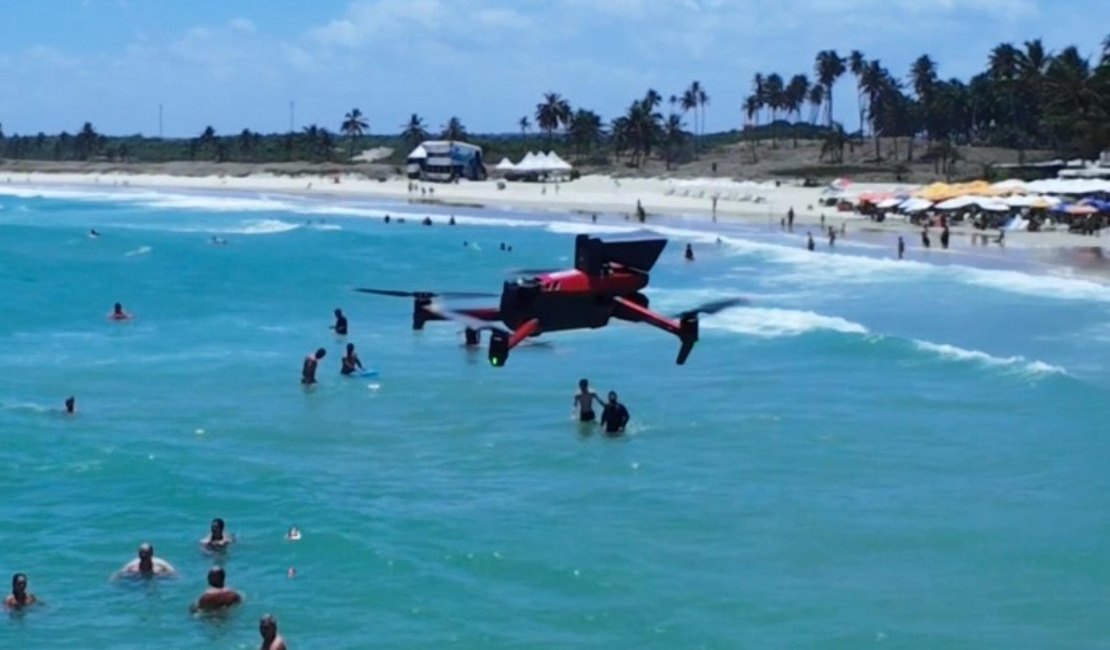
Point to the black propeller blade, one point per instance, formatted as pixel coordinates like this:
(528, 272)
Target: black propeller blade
(715, 306)
(469, 321)
(427, 294)
(532, 271)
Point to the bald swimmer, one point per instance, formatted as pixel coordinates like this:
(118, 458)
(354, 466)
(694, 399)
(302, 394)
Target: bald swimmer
(148, 566)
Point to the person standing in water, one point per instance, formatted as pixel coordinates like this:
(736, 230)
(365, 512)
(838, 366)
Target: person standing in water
(615, 416)
(148, 566)
(901, 247)
(217, 596)
(351, 362)
(340, 326)
(20, 597)
(217, 540)
(944, 235)
(308, 370)
(268, 628)
(689, 253)
(809, 241)
(71, 405)
(118, 313)
(832, 236)
(790, 219)
(925, 237)
(584, 401)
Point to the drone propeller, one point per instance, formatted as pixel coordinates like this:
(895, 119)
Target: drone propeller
(714, 306)
(426, 294)
(469, 321)
(532, 272)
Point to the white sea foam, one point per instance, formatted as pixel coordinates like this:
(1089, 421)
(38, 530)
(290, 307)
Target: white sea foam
(1018, 363)
(142, 250)
(577, 228)
(773, 323)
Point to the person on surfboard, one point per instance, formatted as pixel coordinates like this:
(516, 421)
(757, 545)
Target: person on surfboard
(351, 362)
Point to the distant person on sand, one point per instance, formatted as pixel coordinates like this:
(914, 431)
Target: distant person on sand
(641, 214)
(217, 539)
(790, 219)
(340, 326)
(71, 405)
(615, 416)
(351, 362)
(268, 628)
(689, 253)
(925, 237)
(944, 235)
(148, 566)
(901, 247)
(118, 313)
(308, 370)
(832, 236)
(217, 596)
(584, 401)
(809, 241)
(20, 597)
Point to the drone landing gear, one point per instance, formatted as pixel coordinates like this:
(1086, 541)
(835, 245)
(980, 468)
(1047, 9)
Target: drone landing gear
(501, 341)
(473, 337)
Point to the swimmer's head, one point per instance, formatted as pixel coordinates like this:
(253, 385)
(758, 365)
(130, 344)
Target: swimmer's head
(216, 577)
(612, 397)
(583, 384)
(320, 353)
(146, 552)
(117, 308)
(217, 527)
(350, 348)
(338, 312)
(71, 404)
(19, 583)
(267, 626)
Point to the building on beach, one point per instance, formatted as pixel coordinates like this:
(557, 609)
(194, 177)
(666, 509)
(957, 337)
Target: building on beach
(445, 161)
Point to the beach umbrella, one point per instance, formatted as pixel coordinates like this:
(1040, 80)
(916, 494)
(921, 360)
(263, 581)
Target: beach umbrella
(1081, 210)
(886, 204)
(914, 205)
(957, 203)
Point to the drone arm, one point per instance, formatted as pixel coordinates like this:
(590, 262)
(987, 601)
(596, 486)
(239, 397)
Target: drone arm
(650, 317)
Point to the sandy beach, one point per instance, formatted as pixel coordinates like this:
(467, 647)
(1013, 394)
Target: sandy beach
(612, 199)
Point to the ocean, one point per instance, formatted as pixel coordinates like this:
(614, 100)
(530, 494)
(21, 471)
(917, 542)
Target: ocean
(873, 453)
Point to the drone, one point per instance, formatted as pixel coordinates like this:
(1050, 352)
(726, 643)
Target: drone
(605, 283)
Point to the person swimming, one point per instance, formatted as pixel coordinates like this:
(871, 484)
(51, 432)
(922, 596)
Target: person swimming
(218, 241)
(451, 222)
(118, 313)
(20, 597)
(340, 326)
(217, 539)
(148, 566)
(71, 405)
(217, 596)
(351, 362)
(689, 253)
(268, 628)
(93, 234)
(294, 534)
(308, 370)
(427, 221)
(615, 416)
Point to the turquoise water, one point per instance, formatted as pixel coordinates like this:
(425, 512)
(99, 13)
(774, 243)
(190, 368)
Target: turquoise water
(875, 453)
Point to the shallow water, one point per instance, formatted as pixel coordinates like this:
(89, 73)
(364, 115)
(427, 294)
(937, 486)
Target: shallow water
(903, 454)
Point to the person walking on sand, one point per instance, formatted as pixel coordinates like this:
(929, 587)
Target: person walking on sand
(641, 214)
(790, 219)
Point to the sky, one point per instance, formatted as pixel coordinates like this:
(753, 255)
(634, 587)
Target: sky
(238, 64)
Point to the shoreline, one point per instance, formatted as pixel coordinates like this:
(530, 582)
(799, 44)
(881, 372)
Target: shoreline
(747, 204)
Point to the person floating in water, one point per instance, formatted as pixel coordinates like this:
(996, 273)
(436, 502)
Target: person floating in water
(809, 241)
(427, 221)
(93, 234)
(584, 401)
(268, 628)
(294, 534)
(148, 566)
(217, 596)
(615, 416)
(351, 362)
(20, 597)
(901, 247)
(386, 219)
(689, 253)
(118, 313)
(308, 370)
(340, 326)
(217, 539)
(71, 405)
(218, 241)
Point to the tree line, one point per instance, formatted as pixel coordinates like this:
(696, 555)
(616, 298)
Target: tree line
(1027, 97)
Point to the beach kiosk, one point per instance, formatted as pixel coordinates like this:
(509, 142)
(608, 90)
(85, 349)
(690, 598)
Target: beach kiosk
(446, 161)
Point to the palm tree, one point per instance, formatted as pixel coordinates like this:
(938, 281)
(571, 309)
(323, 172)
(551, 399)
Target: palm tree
(652, 98)
(673, 137)
(832, 148)
(703, 101)
(524, 125)
(923, 74)
(414, 132)
(551, 113)
(856, 64)
(689, 102)
(875, 83)
(816, 100)
(454, 130)
(85, 142)
(775, 98)
(585, 131)
(207, 138)
(353, 126)
(829, 67)
(795, 99)
(245, 142)
(751, 111)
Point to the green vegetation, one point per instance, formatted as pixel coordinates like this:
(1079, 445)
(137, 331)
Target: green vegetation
(1025, 98)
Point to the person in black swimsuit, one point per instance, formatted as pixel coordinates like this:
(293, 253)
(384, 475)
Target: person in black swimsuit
(351, 362)
(340, 326)
(615, 416)
(584, 401)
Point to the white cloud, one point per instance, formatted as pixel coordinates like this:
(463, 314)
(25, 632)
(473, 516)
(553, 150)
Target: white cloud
(242, 25)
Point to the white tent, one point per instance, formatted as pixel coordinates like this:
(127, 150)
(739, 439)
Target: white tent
(957, 203)
(1069, 186)
(886, 204)
(558, 164)
(505, 165)
(419, 152)
(1011, 185)
(914, 205)
(528, 163)
(1031, 201)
